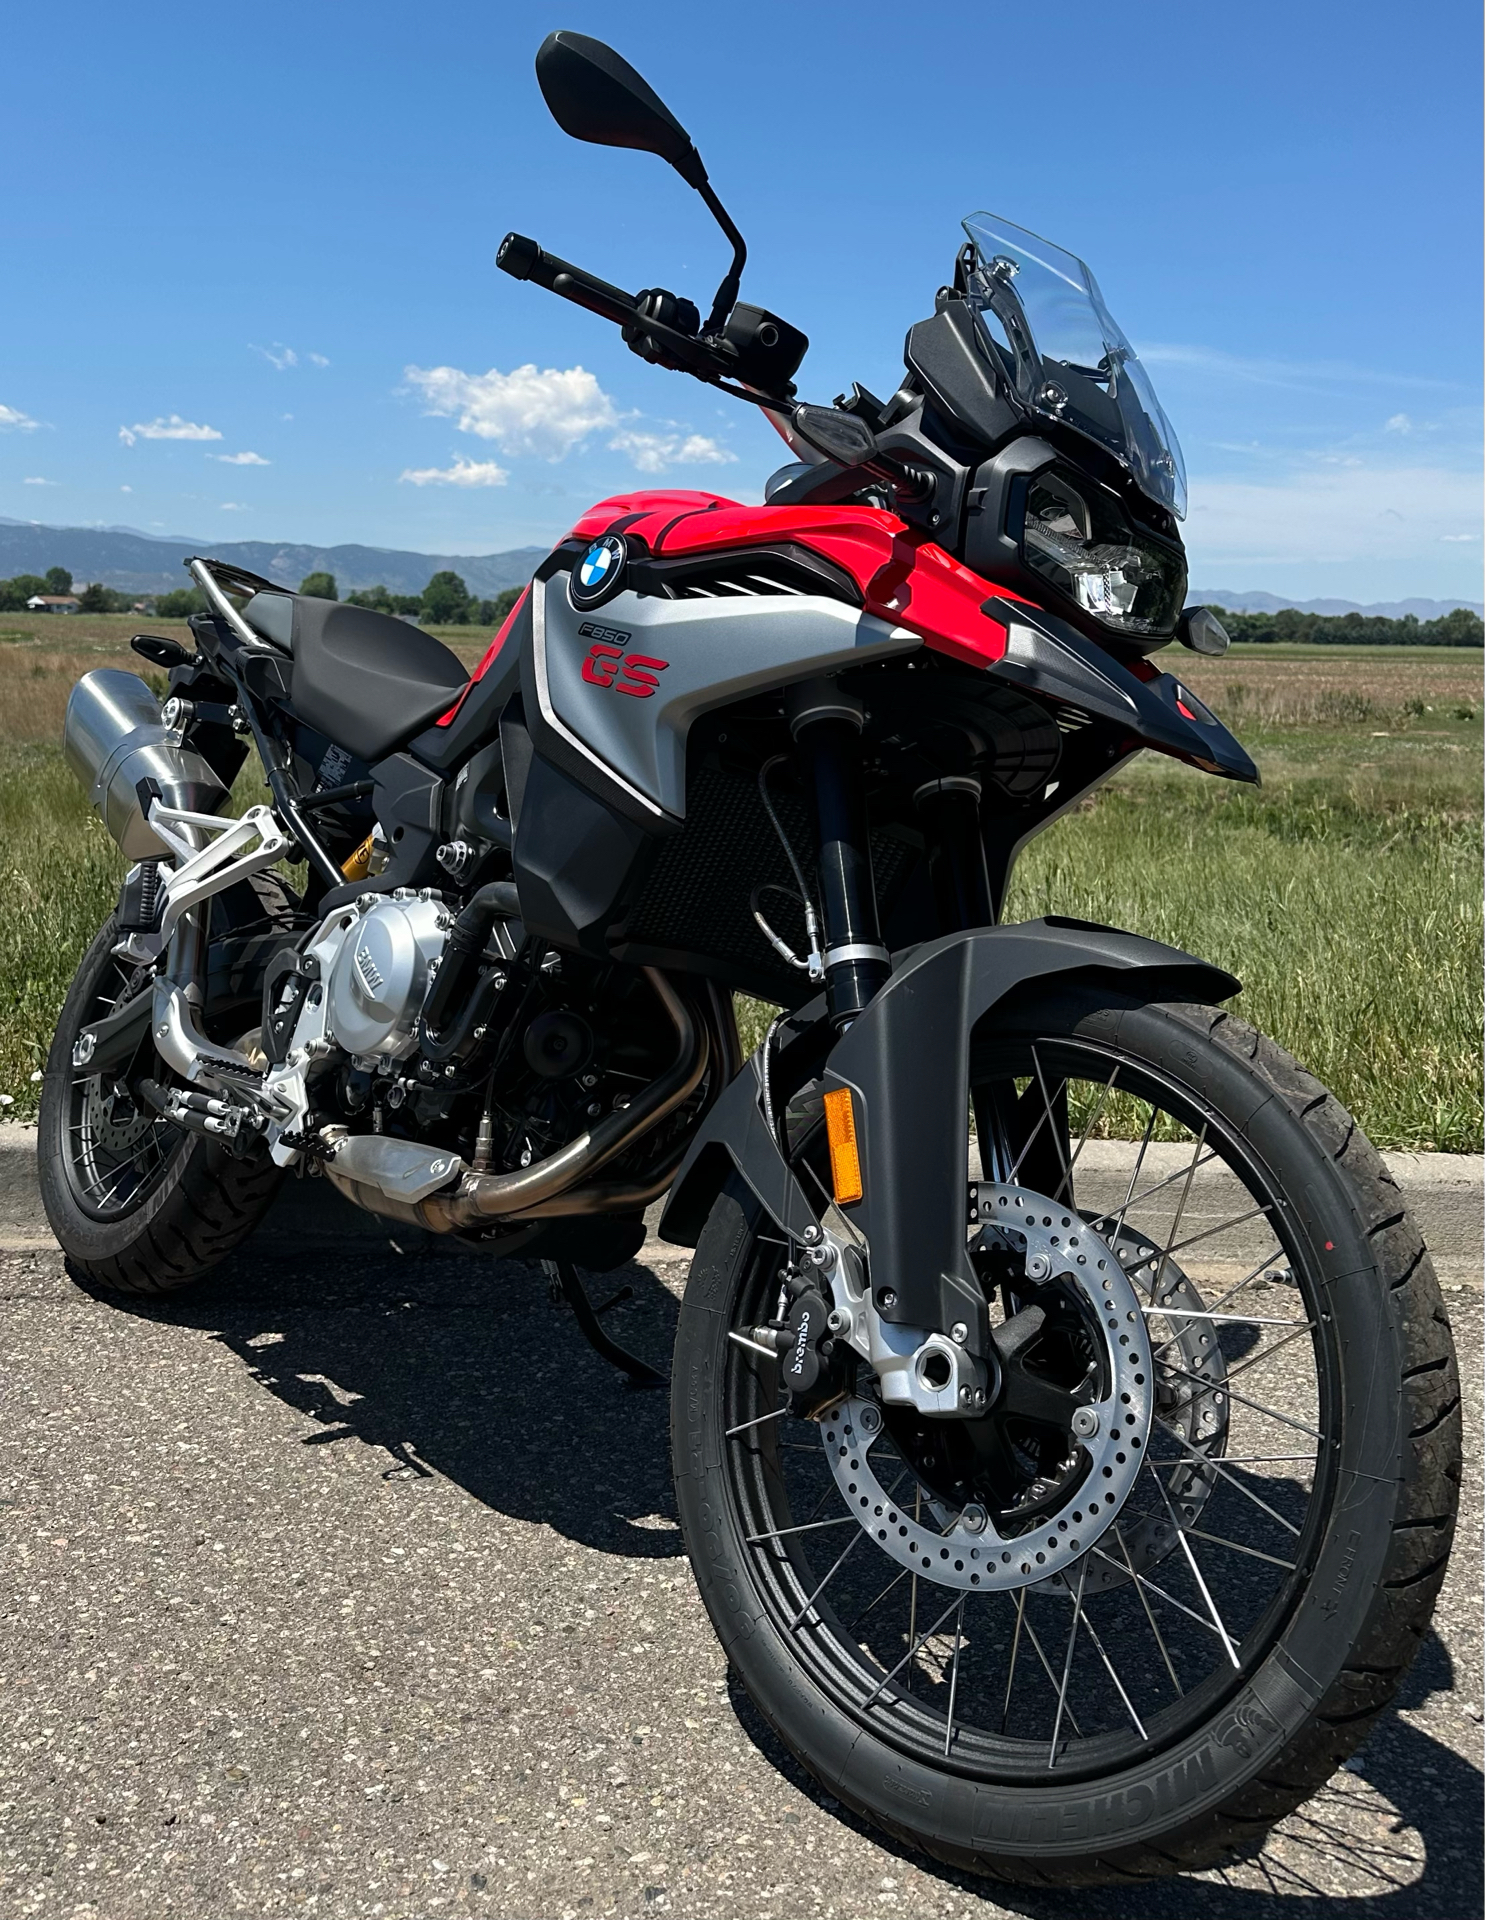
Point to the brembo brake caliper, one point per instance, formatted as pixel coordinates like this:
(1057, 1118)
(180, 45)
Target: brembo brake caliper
(1108, 1421)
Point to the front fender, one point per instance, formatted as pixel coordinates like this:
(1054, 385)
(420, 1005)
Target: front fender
(906, 1061)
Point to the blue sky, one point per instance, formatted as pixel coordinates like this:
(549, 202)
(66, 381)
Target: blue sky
(276, 228)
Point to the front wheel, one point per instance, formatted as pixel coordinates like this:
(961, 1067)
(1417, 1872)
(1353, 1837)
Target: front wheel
(1143, 1604)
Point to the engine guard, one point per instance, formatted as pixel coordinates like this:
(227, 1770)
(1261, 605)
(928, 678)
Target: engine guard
(906, 1062)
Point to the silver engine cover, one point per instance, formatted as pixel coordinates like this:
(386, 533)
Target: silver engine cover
(385, 952)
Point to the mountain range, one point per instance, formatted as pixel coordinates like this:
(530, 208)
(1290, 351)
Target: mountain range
(134, 562)
(1276, 603)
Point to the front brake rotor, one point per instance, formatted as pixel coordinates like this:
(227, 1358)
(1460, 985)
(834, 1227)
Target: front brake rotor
(967, 1550)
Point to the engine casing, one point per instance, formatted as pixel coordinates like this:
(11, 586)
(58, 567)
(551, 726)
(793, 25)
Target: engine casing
(381, 959)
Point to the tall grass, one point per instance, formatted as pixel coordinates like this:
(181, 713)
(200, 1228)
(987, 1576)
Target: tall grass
(1345, 895)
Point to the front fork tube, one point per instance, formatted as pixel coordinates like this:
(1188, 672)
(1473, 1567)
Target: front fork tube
(826, 724)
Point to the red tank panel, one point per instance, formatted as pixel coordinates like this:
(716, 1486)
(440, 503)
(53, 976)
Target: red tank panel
(903, 577)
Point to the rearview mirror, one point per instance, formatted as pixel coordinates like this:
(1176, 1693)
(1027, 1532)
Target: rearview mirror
(595, 95)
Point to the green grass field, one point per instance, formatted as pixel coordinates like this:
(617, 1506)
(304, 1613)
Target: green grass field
(1345, 892)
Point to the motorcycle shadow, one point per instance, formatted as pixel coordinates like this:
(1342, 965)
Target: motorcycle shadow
(1398, 1832)
(451, 1363)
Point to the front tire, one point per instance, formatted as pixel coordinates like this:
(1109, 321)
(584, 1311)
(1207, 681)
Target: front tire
(1243, 1733)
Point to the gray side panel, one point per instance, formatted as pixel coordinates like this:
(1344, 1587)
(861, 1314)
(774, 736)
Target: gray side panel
(688, 657)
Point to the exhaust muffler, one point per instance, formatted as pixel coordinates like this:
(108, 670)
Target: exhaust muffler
(127, 758)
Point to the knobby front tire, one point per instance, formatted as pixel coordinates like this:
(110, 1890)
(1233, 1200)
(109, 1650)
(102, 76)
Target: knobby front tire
(1214, 1686)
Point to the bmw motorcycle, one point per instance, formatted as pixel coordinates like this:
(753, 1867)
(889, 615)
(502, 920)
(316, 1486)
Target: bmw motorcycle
(1065, 1421)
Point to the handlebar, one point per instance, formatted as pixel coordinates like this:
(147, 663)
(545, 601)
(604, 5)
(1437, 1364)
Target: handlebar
(523, 259)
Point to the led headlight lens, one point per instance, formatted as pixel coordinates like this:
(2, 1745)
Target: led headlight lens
(1083, 543)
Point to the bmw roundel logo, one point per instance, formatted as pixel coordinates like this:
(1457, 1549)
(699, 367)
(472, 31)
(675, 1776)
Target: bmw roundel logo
(598, 571)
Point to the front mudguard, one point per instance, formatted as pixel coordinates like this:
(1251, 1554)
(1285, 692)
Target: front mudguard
(906, 1062)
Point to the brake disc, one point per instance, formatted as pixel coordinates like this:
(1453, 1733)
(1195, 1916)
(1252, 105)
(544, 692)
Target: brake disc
(967, 1550)
(113, 1121)
(1192, 1407)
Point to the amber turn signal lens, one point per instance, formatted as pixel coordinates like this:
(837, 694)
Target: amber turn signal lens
(845, 1159)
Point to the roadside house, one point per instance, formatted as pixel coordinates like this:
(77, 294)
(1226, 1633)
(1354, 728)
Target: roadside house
(52, 603)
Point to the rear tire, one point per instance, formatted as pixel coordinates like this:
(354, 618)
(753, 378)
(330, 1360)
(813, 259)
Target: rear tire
(195, 1205)
(1326, 1661)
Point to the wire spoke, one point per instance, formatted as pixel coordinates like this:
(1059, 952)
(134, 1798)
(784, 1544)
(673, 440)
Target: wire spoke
(1237, 1547)
(1010, 1679)
(1210, 1232)
(1072, 1641)
(921, 1641)
(896, 1581)
(954, 1675)
(811, 1526)
(1118, 1683)
(1221, 1386)
(1217, 1467)
(1159, 1187)
(1065, 1184)
(1196, 1575)
(1047, 1668)
(1134, 1178)
(1159, 1637)
(777, 1414)
(1144, 1580)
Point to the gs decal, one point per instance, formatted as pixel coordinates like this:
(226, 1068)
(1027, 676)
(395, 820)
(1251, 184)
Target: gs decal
(608, 665)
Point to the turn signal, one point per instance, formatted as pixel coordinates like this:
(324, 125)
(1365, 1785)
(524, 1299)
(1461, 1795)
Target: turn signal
(845, 1158)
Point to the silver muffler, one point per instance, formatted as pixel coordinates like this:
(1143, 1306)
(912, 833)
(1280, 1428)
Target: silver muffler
(127, 758)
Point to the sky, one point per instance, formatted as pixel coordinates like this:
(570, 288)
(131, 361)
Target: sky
(251, 292)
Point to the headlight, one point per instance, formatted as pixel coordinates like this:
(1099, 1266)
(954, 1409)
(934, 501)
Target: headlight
(1083, 543)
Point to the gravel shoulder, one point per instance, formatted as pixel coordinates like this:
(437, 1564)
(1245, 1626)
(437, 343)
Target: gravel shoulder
(349, 1584)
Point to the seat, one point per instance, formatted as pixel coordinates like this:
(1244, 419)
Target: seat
(366, 679)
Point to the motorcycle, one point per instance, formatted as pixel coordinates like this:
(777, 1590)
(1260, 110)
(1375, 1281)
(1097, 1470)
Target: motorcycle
(1065, 1422)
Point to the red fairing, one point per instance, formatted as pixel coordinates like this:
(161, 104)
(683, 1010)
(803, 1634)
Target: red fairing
(903, 577)
(491, 654)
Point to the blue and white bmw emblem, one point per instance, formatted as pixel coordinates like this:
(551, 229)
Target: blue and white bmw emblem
(598, 572)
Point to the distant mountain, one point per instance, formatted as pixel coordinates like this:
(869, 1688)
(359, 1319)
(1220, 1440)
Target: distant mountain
(1276, 603)
(141, 563)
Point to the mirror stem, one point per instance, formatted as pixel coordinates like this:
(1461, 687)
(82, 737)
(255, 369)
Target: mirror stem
(726, 293)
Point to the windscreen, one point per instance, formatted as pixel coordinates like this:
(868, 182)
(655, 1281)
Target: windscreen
(1066, 356)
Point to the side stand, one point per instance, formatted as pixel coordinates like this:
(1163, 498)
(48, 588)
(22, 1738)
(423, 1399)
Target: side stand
(566, 1276)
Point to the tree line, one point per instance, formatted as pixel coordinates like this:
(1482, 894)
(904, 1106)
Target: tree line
(1461, 628)
(444, 602)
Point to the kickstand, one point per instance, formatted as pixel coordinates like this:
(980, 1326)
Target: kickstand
(566, 1276)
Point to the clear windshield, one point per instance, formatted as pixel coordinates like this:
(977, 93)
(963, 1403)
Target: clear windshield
(1065, 354)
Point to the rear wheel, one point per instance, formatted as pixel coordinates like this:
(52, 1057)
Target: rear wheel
(1145, 1603)
(137, 1204)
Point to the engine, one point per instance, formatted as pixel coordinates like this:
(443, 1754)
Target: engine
(377, 966)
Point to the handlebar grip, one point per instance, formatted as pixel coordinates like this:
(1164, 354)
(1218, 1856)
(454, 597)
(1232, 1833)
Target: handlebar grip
(525, 260)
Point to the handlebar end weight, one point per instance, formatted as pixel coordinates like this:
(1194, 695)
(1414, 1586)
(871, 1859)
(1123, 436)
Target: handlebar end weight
(517, 256)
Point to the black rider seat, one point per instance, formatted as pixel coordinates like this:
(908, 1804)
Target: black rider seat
(366, 679)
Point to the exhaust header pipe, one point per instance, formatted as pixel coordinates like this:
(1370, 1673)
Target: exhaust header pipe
(127, 758)
(398, 1179)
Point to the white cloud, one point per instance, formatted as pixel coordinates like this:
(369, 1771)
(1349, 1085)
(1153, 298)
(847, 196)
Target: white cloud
(1399, 423)
(1464, 537)
(12, 420)
(654, 452)
(463, 473)
(172, 427)
(233, 506)
(240, 459)
(35, 480)
(318, 360)
(548, 413)
(278, 355)
(1352, 512)
(544, 413)
(126, 489)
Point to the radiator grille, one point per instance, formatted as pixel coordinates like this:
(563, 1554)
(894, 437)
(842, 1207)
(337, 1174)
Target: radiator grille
(695, 897)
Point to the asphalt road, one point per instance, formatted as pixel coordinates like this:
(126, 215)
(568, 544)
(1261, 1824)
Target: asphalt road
(349, 1583)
